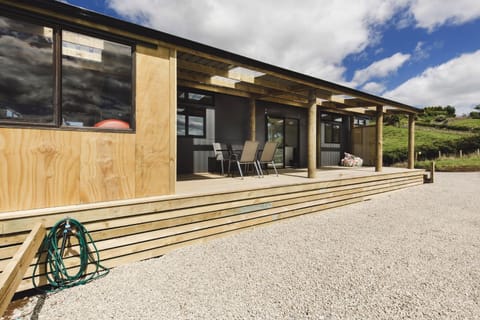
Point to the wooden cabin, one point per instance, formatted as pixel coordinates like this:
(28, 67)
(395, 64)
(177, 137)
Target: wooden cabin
(100, 117)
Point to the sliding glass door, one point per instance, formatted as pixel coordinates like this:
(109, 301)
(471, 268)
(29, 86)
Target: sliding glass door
(284, 131)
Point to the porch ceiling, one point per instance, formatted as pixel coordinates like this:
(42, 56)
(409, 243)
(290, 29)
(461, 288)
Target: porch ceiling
(223, 75)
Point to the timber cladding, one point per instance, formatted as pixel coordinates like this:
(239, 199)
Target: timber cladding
(55, 167)
(133, 230)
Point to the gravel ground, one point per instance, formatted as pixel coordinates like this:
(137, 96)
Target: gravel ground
(409, 254)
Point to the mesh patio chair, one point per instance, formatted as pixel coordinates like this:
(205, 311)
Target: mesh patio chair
(267, 156)
(248, 156)
(217, 150)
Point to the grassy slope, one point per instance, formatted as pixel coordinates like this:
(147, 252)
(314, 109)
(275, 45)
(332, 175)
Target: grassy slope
(465, 123)
(434, 134)
(427, 140)
(468, 163)
(430, 140)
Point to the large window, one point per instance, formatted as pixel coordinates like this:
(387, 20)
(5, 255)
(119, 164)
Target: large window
(63, 78)
(27, 72)
(191, 113)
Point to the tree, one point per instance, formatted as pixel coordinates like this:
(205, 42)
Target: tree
(475, 114)
(450, 111)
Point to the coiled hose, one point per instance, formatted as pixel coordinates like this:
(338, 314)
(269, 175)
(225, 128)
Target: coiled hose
(57, 248)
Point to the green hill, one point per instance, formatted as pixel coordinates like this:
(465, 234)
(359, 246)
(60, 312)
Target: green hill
(455, 134)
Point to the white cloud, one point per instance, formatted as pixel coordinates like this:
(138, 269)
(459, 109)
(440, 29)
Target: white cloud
(421, 52)
(455, 83)
(374, 87)
(311, 36)
(431, 14)
(380, 69)
(315, 36)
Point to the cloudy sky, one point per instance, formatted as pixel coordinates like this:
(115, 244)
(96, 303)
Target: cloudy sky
(420, 52)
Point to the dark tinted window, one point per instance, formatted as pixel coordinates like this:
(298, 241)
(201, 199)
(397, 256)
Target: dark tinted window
(191, 121)
(96, 80)
(332, 132)
(27, 72)
(194, 97)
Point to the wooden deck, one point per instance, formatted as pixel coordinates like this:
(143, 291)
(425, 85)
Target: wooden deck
(204, 207)
(208, 183)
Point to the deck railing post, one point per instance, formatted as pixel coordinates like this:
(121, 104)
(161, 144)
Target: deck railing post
(411, 141)
(379, 140)
(312, 134)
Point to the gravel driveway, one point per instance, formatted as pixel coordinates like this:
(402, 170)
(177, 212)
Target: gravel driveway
(409, 254)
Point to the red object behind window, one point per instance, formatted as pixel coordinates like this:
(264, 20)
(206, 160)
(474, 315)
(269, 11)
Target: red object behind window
(112, 124)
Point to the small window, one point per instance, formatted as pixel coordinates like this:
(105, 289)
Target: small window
(191, 112)
(193, 97)
(331, 117)
(360, 122)
(332, 132)
(191, 121)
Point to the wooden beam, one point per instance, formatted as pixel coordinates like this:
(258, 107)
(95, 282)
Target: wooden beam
(333, 107)
(274, 89)
(358, 103)
(234, 92)
(205, 79)
(379, 140)
(216, 89)
(411, 141)
(312, 135)
(282, 101)
(13, 273)
(326, 88)
(245, 87)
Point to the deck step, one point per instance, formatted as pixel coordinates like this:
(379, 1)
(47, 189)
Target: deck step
(131, 232)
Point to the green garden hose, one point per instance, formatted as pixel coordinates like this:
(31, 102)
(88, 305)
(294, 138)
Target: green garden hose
(56, 244)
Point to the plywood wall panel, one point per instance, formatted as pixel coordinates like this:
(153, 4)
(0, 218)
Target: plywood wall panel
(106, 167)
(51, 167)
(154, 126)
(39, 168)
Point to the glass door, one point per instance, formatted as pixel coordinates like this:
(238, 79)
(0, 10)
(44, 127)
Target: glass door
(284, 131)
(291, 143)
(276, 133)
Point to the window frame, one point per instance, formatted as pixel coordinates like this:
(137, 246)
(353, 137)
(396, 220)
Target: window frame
(331, 122)
(193, 111)
(332, 128)
(192, 108)
(57, 28)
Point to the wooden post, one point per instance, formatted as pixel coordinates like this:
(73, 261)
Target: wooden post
(312, 135)
(350, 140)
(432, 172)
(411, 141)
(253, 121)
(379, 148)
